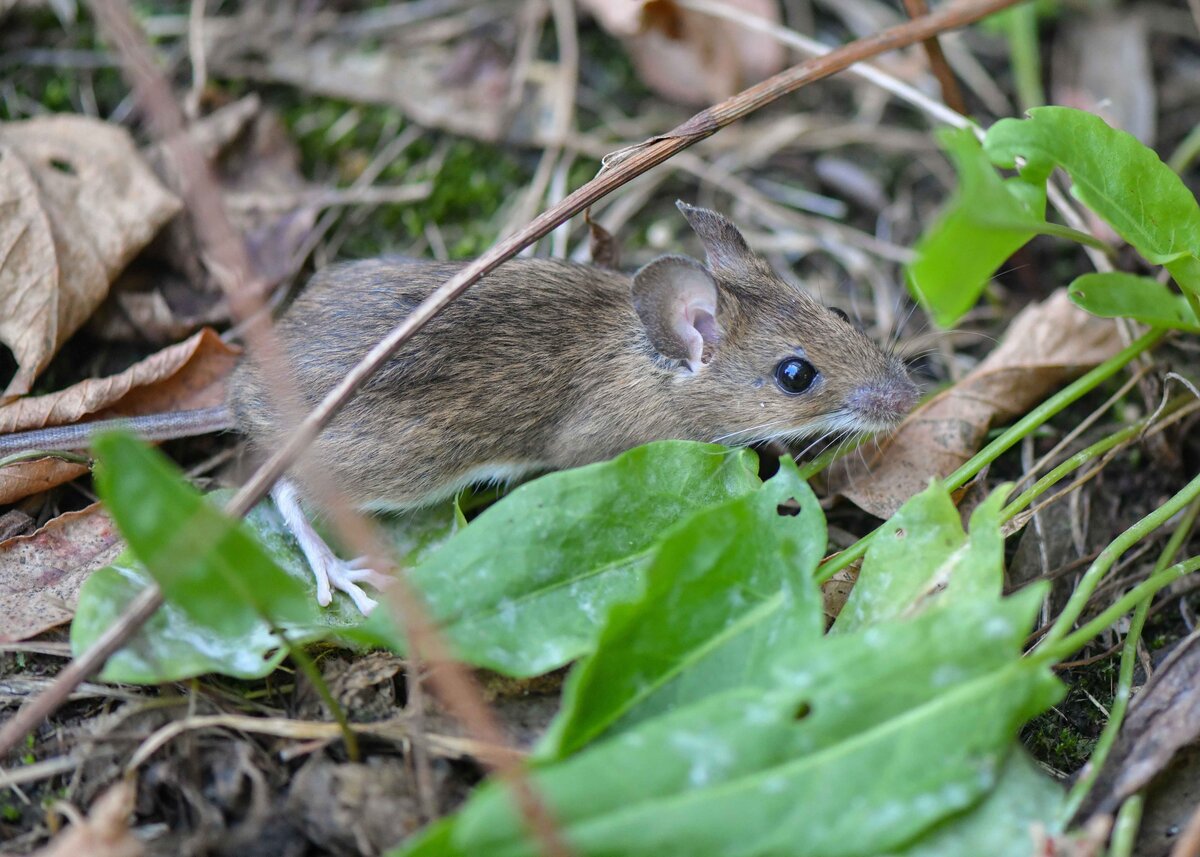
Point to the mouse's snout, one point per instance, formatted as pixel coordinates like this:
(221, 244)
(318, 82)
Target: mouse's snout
(883, 403)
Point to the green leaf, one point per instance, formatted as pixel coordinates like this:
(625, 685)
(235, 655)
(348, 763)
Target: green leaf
(527, 586)
(985, 222)
(728, 590)
(1114, 175)
(922, 555)
(866, 741)
(220, 581)
(1119, 295)
(208, 564)
(1002, 825)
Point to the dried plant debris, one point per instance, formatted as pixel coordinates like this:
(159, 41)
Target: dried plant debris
(1046, 345)
(105, 831)
(40, 574)
(80, 203)
(188, 375)
(1163, 719)
(688, 56)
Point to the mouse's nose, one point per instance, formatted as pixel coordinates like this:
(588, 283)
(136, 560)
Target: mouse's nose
(883, 403)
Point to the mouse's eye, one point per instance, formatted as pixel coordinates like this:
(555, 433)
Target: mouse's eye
(795, 375)
(840, 313)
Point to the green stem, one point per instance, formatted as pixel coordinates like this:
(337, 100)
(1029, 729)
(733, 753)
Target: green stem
(1186, 151)
(1129, 819)
(1060, 231)
(1026, 60)
(1116, 718)
(1095, 573)
(1043, 412)
(1192, 300)
(1068, 466)
(1058, 650)
(1050, 407)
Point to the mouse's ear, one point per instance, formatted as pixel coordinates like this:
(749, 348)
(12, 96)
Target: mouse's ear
(676, 299)
(728, 253)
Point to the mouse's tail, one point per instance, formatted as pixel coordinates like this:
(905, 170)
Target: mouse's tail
(167, 426)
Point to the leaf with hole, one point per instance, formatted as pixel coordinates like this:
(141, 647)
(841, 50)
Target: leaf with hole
(1118, 295)
(727, 591)
(921, 556)
(861, 743)
(1114, 175)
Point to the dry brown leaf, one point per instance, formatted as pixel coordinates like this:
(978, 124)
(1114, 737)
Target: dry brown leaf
(690, 57)
(436, 93)
(40, 574)
(187, 375)
(1163, 719)
(27, 478)
(105, 832)
(79, 203)
(1047, 345)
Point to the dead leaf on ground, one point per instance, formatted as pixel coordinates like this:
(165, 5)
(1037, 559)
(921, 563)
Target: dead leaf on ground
(1046, 345)
(169, 293)
(1163, 719)
(688, 56)
(187, 375)
(27, 478)
(79, 204)
(105, 832)
(439, 92)
(40, 574)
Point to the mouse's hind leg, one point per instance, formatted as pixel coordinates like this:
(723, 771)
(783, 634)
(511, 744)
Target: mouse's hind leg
(330, 570)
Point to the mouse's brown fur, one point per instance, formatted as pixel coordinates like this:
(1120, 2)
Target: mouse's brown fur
(545, 365)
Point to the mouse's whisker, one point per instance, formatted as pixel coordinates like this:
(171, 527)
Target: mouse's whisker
(752, 431)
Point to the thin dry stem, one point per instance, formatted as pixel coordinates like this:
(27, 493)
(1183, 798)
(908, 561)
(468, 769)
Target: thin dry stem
(951, 94)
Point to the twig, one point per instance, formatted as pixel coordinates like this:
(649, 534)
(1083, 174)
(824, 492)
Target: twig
(951, 94)
(871, 74)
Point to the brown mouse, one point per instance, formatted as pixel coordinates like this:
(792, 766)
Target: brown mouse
(545, 365)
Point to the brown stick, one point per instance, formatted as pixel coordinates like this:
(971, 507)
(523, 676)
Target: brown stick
(951, 93)
(628, 164)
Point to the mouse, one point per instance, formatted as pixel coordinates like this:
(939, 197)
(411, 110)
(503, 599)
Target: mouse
(545, 365)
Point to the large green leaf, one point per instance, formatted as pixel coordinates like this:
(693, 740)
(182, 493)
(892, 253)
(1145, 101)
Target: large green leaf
(922, 554)
(865, 741)
(1118, 295)
(527, 586)
(1003, 825)
(1115, 176)
(229, 588)
(985, 222)
(728, 591)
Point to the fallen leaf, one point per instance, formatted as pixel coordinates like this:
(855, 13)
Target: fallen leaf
(1046, 345)
(79, 203)
(436, 93)
(105, 832)
(1163, 719)
(27, 478)
(187, 375)
(688, 56)
(40, 573)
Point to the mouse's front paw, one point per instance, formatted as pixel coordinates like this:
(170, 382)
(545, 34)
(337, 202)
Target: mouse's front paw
(344, 576)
